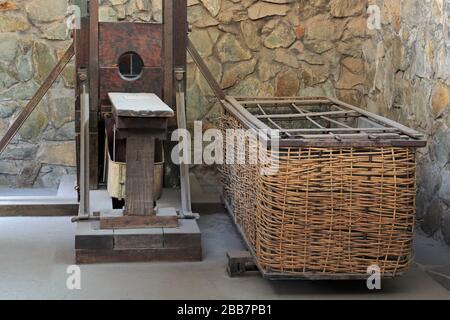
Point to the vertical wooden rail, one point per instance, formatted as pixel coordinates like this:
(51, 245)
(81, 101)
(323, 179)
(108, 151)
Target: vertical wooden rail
(168, 52)
(180, 33)
(175, 35)
(94, 91)
(81, 42)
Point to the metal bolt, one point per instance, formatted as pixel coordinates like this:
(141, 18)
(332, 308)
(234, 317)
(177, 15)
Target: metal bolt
(82, 76)
(179, 74)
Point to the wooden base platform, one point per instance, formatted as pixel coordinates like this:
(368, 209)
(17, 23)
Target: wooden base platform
(139, 222)
(96, 245)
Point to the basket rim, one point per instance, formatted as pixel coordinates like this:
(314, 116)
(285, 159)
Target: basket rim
(392, 134)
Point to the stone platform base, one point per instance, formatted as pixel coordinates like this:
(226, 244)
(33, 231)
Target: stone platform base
(94, 245)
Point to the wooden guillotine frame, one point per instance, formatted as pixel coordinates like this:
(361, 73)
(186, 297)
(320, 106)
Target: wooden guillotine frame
(97, 76)
(95, 59)
(131, 235)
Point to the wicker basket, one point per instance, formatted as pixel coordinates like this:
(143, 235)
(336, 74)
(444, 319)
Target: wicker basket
(330, 212)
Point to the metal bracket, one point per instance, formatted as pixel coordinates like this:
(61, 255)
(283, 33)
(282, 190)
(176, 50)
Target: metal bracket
(84, 145)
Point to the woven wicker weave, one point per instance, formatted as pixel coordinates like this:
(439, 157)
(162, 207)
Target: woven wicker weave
(327, 211)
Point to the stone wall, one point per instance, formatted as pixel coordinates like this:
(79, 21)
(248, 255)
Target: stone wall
(252, 48)
(279, 47)
(407, 78)
(258, 47)
(33, 35)
(130, 10)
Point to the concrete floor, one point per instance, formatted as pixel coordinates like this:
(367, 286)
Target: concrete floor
(35, 253)
(430, 252)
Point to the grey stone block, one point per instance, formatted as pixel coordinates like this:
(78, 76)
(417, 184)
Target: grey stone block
(187, 235)
(89, 238)
(138, 238)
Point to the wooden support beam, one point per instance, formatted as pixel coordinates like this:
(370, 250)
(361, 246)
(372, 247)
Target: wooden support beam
(168, 45)
(94, 91)
(273, 102)
(93, 55)
(81, 42)
(175, 38)
(180, 33)
(340, 130)
(343, 114)
(139, 222)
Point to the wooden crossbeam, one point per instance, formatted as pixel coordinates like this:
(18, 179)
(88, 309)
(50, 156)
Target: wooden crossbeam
(281, 103)
(32, 104)
(343, 114)
(341, 130)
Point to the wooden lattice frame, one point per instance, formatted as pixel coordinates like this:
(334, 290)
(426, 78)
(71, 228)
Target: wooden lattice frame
(335, 129)
(331, 211)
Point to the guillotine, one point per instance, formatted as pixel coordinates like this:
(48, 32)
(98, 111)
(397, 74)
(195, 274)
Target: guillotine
(130, 84)
(161, 49)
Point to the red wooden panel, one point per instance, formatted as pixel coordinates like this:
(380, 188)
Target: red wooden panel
(117, 38)
(150, 81)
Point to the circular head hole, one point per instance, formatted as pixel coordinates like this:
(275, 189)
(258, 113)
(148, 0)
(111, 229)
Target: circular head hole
(131, 66)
